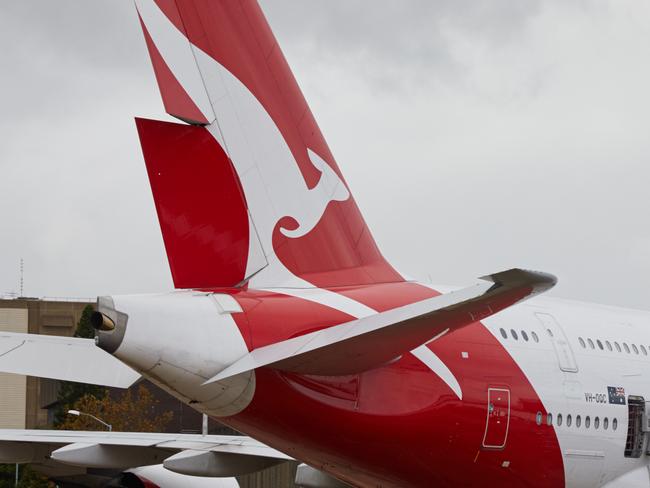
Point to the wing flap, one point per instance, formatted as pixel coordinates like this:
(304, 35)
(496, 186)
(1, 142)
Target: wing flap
(202, 455)
(233, 444)
(372, 341)
(62, 358)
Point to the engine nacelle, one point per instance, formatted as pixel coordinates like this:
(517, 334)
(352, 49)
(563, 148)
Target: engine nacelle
(106, 456)
(178, 341)
(159, 476)
(217, 464)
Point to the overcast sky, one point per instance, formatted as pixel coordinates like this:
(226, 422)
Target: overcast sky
(475, 136)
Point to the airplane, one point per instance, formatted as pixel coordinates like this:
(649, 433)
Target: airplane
(287, 323)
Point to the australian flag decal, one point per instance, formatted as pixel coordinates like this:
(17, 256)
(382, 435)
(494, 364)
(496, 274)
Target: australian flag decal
(616, 395)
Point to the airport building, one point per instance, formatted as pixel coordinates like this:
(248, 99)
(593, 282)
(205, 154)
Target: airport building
(24, 400)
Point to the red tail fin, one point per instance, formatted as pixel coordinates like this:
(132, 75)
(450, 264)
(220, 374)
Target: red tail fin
(221, 59)
(200, 206)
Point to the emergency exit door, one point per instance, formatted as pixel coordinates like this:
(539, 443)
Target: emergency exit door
(498, 418)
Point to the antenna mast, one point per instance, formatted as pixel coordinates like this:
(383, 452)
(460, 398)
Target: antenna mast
(22, 275)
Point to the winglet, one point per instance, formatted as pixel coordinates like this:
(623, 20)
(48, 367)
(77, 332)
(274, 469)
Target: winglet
(539, 281)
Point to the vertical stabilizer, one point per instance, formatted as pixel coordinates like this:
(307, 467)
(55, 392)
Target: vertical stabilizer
(218, 65)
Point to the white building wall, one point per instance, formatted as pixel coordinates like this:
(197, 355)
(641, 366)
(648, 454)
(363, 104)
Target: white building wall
(13, 388)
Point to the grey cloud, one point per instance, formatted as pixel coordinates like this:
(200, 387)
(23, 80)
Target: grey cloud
(397, 45)
(476, 136)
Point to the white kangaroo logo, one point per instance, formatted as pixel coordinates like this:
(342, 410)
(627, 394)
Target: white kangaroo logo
(328, 189)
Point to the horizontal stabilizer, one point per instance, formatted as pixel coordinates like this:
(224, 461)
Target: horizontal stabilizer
(375, 340)
(62, 358)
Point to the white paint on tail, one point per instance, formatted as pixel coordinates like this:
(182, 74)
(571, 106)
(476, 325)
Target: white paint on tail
(329, 188)
(176, 50)
(435, 364)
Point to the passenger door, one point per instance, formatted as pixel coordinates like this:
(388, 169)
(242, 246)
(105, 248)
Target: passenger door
(498, 418)
(566, 359)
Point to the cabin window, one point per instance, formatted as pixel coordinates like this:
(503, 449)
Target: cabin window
(591, 343)
(582, 342)
(538, 418)
(643, 350)
(558, 419)
(609, 345)
(587, 422)
(596, 423)
(616, 345)
(605, 423)
(635, 349)
(578, 420)
(524, 335)
(503, 333)
(535, 338)
(614, 424)
(568, 420)
(625, 346)
(549, 419)
(600, 344)
(514, 334)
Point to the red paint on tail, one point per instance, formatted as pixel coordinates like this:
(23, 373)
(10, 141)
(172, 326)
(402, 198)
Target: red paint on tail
(176, 100)
(200, 205)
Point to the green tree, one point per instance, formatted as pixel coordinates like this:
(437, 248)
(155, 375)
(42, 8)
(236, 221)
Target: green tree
(70, 392)
(28, 478)
(126, 413)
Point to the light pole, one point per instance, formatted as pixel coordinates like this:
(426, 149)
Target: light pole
(77, 413)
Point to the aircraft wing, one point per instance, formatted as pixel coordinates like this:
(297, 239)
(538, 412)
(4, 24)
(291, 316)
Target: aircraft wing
(375, 340)
(63, 358)
(189, 454)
